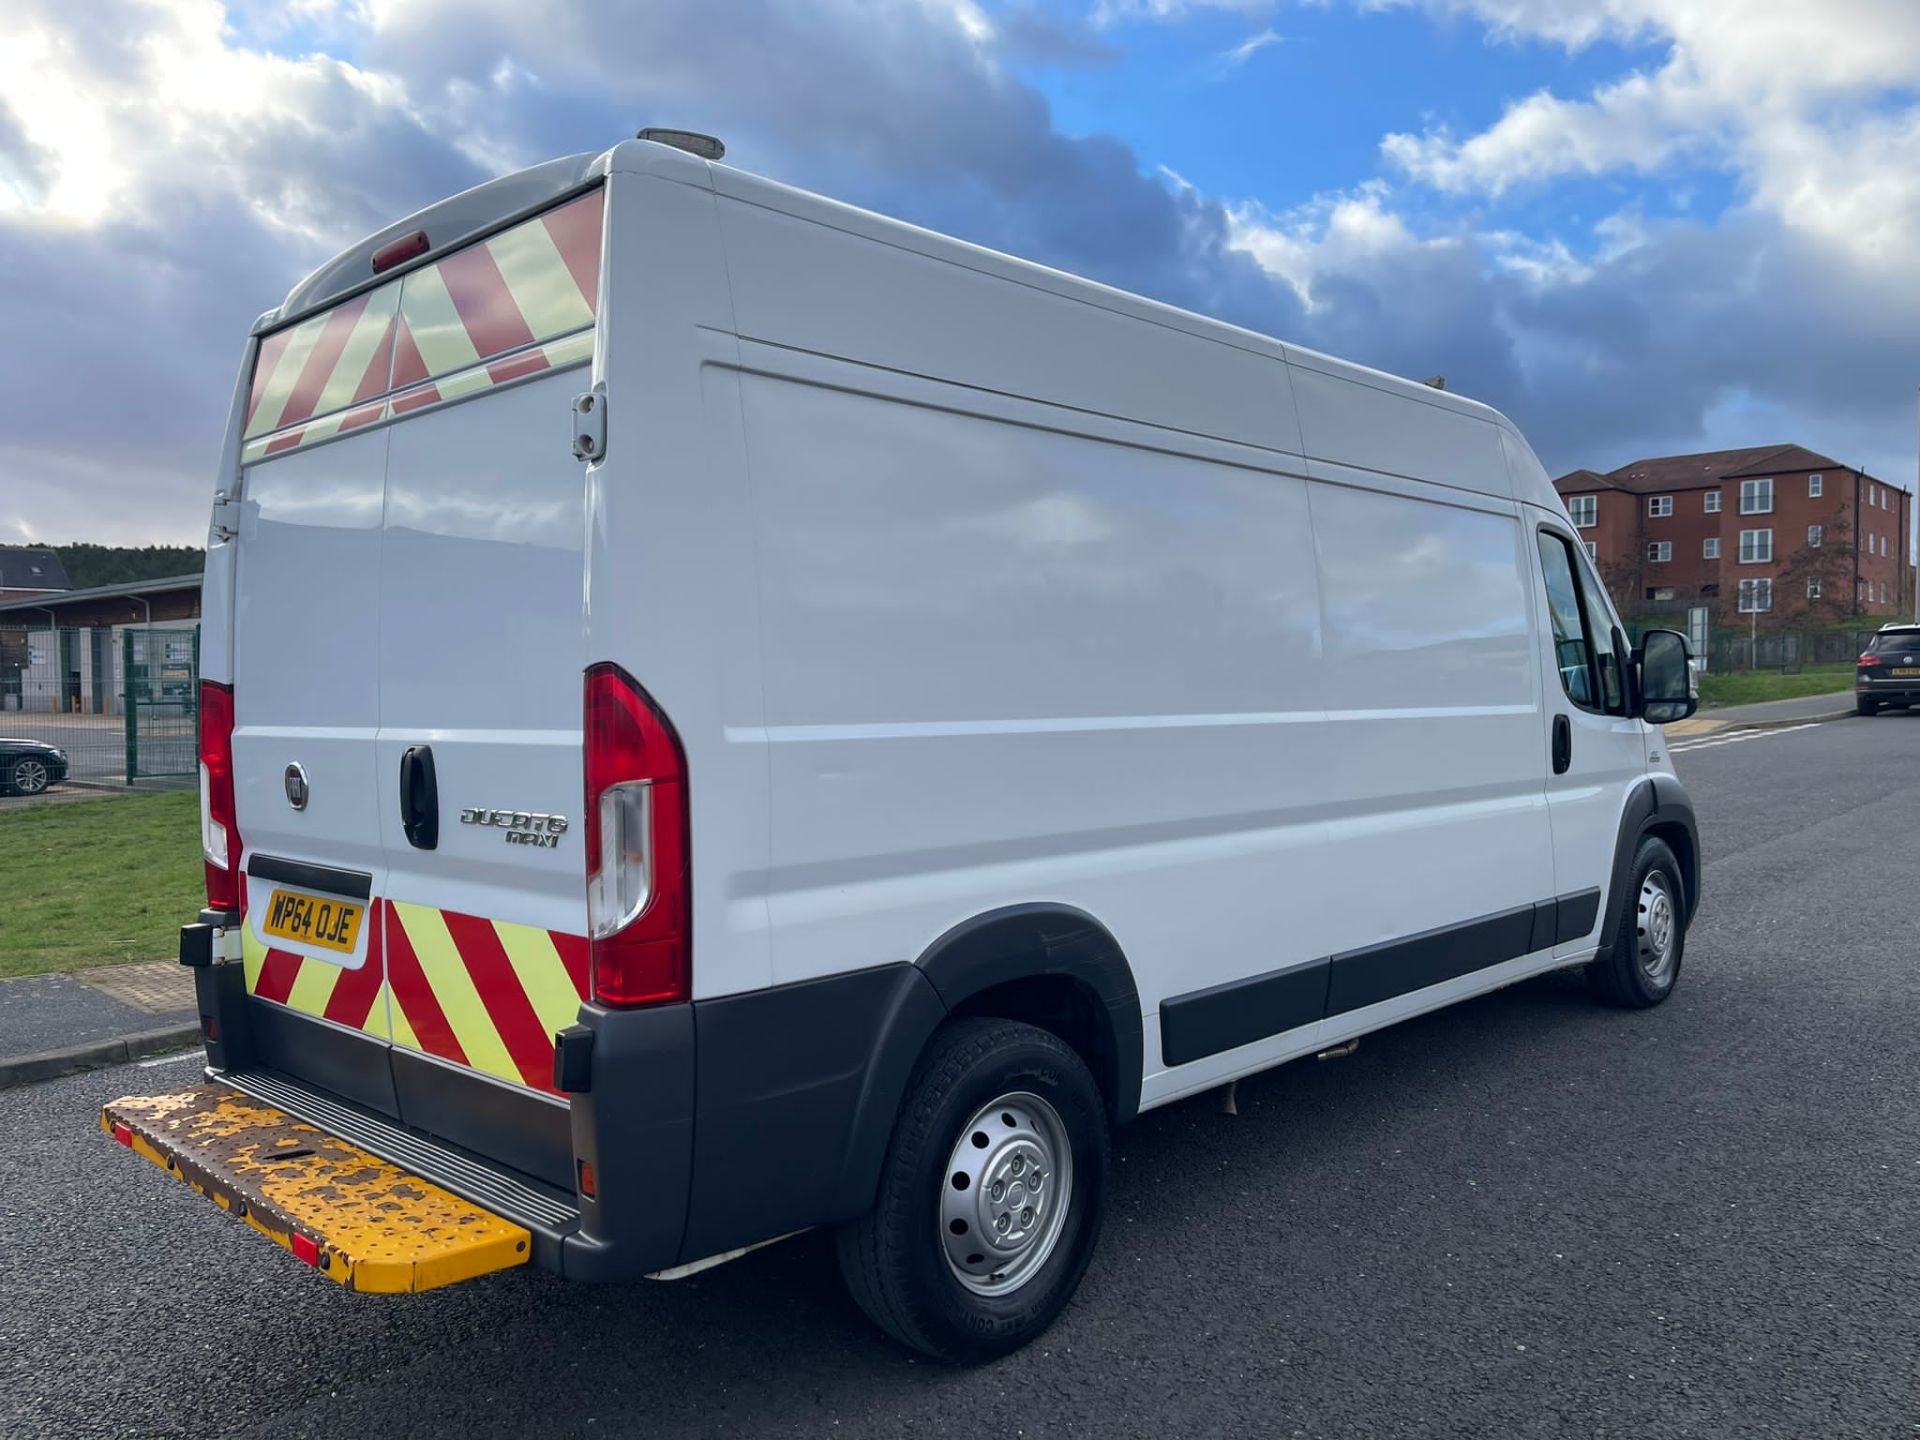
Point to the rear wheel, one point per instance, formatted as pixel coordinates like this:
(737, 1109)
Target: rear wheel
(1864, 706)
(1649, 938)
(991, 1197)
(28, 776)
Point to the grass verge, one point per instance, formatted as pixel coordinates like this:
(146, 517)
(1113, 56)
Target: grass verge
(97, 882)
(1750, 687)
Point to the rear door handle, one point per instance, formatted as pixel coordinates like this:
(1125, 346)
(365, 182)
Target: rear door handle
(1562, 744)
(419, 798)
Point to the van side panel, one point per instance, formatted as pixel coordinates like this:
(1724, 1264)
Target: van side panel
(1434, 726)
(1008, 664)
(672, 587)
(800, 283)
(1350, 422)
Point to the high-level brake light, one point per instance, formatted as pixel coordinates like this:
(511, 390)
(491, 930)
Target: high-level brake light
(219, 838)
(398, 251)
(638, 894)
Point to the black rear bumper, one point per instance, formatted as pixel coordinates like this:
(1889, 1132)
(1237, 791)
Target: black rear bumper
(1889, 692)
(701, 1127)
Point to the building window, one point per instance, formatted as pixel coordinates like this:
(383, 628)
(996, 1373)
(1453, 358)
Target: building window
(1712, 502)
(1593, 550)
(1660, 551)
(1584, 509)
(1659, 506)
(1815, 534)
(1815, 484)
(1756, 547)
(1756, 497)
(1813, 587)
(1756, 596)
(1710, 548)
(1883, 592)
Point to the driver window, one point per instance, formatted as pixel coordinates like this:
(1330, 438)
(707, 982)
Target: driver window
(1572, 655)
(1604, 636)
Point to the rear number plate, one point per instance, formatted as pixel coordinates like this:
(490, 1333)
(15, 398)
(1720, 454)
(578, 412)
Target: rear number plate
(330, 924)
(1915, 670)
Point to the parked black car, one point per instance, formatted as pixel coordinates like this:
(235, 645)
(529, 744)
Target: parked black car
(27, 767)
(1889, 672)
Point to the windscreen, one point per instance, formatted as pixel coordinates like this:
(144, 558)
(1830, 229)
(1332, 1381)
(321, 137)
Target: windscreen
(518, 302)
(1906, 642)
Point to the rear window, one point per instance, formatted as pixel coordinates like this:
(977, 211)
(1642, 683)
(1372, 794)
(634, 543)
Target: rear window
(516, 303)
(1907, 642)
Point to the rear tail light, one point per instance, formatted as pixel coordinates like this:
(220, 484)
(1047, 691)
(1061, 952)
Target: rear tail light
(1870, 659)
(638, 897)
(219, 839)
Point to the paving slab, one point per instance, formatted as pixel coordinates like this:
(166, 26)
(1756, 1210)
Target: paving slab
(56, 1024)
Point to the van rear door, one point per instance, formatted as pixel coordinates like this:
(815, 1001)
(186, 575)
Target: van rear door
(408, 658)
(480, 657)
(306, 697)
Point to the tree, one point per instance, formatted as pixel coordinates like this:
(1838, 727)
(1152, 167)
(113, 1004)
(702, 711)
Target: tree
(1826, 568)
(90, 565)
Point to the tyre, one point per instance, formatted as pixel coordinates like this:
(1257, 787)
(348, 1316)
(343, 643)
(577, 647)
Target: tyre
(991, 1195)
(1864, 706)
(1649, 938)
(29, 775)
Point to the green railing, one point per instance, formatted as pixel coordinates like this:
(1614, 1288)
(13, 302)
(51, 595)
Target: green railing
(161, 675)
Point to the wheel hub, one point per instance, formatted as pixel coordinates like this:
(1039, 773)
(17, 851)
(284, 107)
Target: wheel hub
(1657, 927)
(1008, 1186)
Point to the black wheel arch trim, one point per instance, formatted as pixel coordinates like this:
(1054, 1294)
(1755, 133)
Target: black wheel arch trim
(1662, 808)
(1021, 942)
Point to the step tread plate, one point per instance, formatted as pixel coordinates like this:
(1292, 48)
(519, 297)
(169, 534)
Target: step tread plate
(360, 1220)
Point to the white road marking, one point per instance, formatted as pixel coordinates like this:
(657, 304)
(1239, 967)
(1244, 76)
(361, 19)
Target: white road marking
(1707, 742)
(168, 1059)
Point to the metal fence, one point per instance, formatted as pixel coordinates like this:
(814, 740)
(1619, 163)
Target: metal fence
(1728, 650)
(121, 701)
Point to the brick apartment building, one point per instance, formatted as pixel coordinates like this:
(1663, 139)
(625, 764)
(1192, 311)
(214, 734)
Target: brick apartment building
(1778, 533)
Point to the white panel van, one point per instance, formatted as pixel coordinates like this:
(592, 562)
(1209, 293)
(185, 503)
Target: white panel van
(724, 713)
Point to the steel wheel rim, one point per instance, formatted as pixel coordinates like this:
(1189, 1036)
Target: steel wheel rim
(1005, 1194)
(29, 777)
(1657, 928)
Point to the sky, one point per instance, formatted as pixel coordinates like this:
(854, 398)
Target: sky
(1638, 227)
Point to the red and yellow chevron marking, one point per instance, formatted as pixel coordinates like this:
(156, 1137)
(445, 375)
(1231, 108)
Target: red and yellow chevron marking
(483, 993)
(354, 998)
(473, 319)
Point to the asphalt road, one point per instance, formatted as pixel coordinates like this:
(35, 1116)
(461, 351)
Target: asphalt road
(1524, 1216)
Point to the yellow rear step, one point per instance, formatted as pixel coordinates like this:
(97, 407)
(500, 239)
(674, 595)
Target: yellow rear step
(349, 1214)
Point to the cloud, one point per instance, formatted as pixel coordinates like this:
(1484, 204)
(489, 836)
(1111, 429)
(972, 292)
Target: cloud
(164, 179)
(1232, 59)
(1111, 12)
(172, 180)
(1810, 105)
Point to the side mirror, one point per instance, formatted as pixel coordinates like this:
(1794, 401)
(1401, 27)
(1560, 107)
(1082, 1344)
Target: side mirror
(1668, 691)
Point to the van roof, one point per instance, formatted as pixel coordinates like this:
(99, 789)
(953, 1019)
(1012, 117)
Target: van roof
(500, 202)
